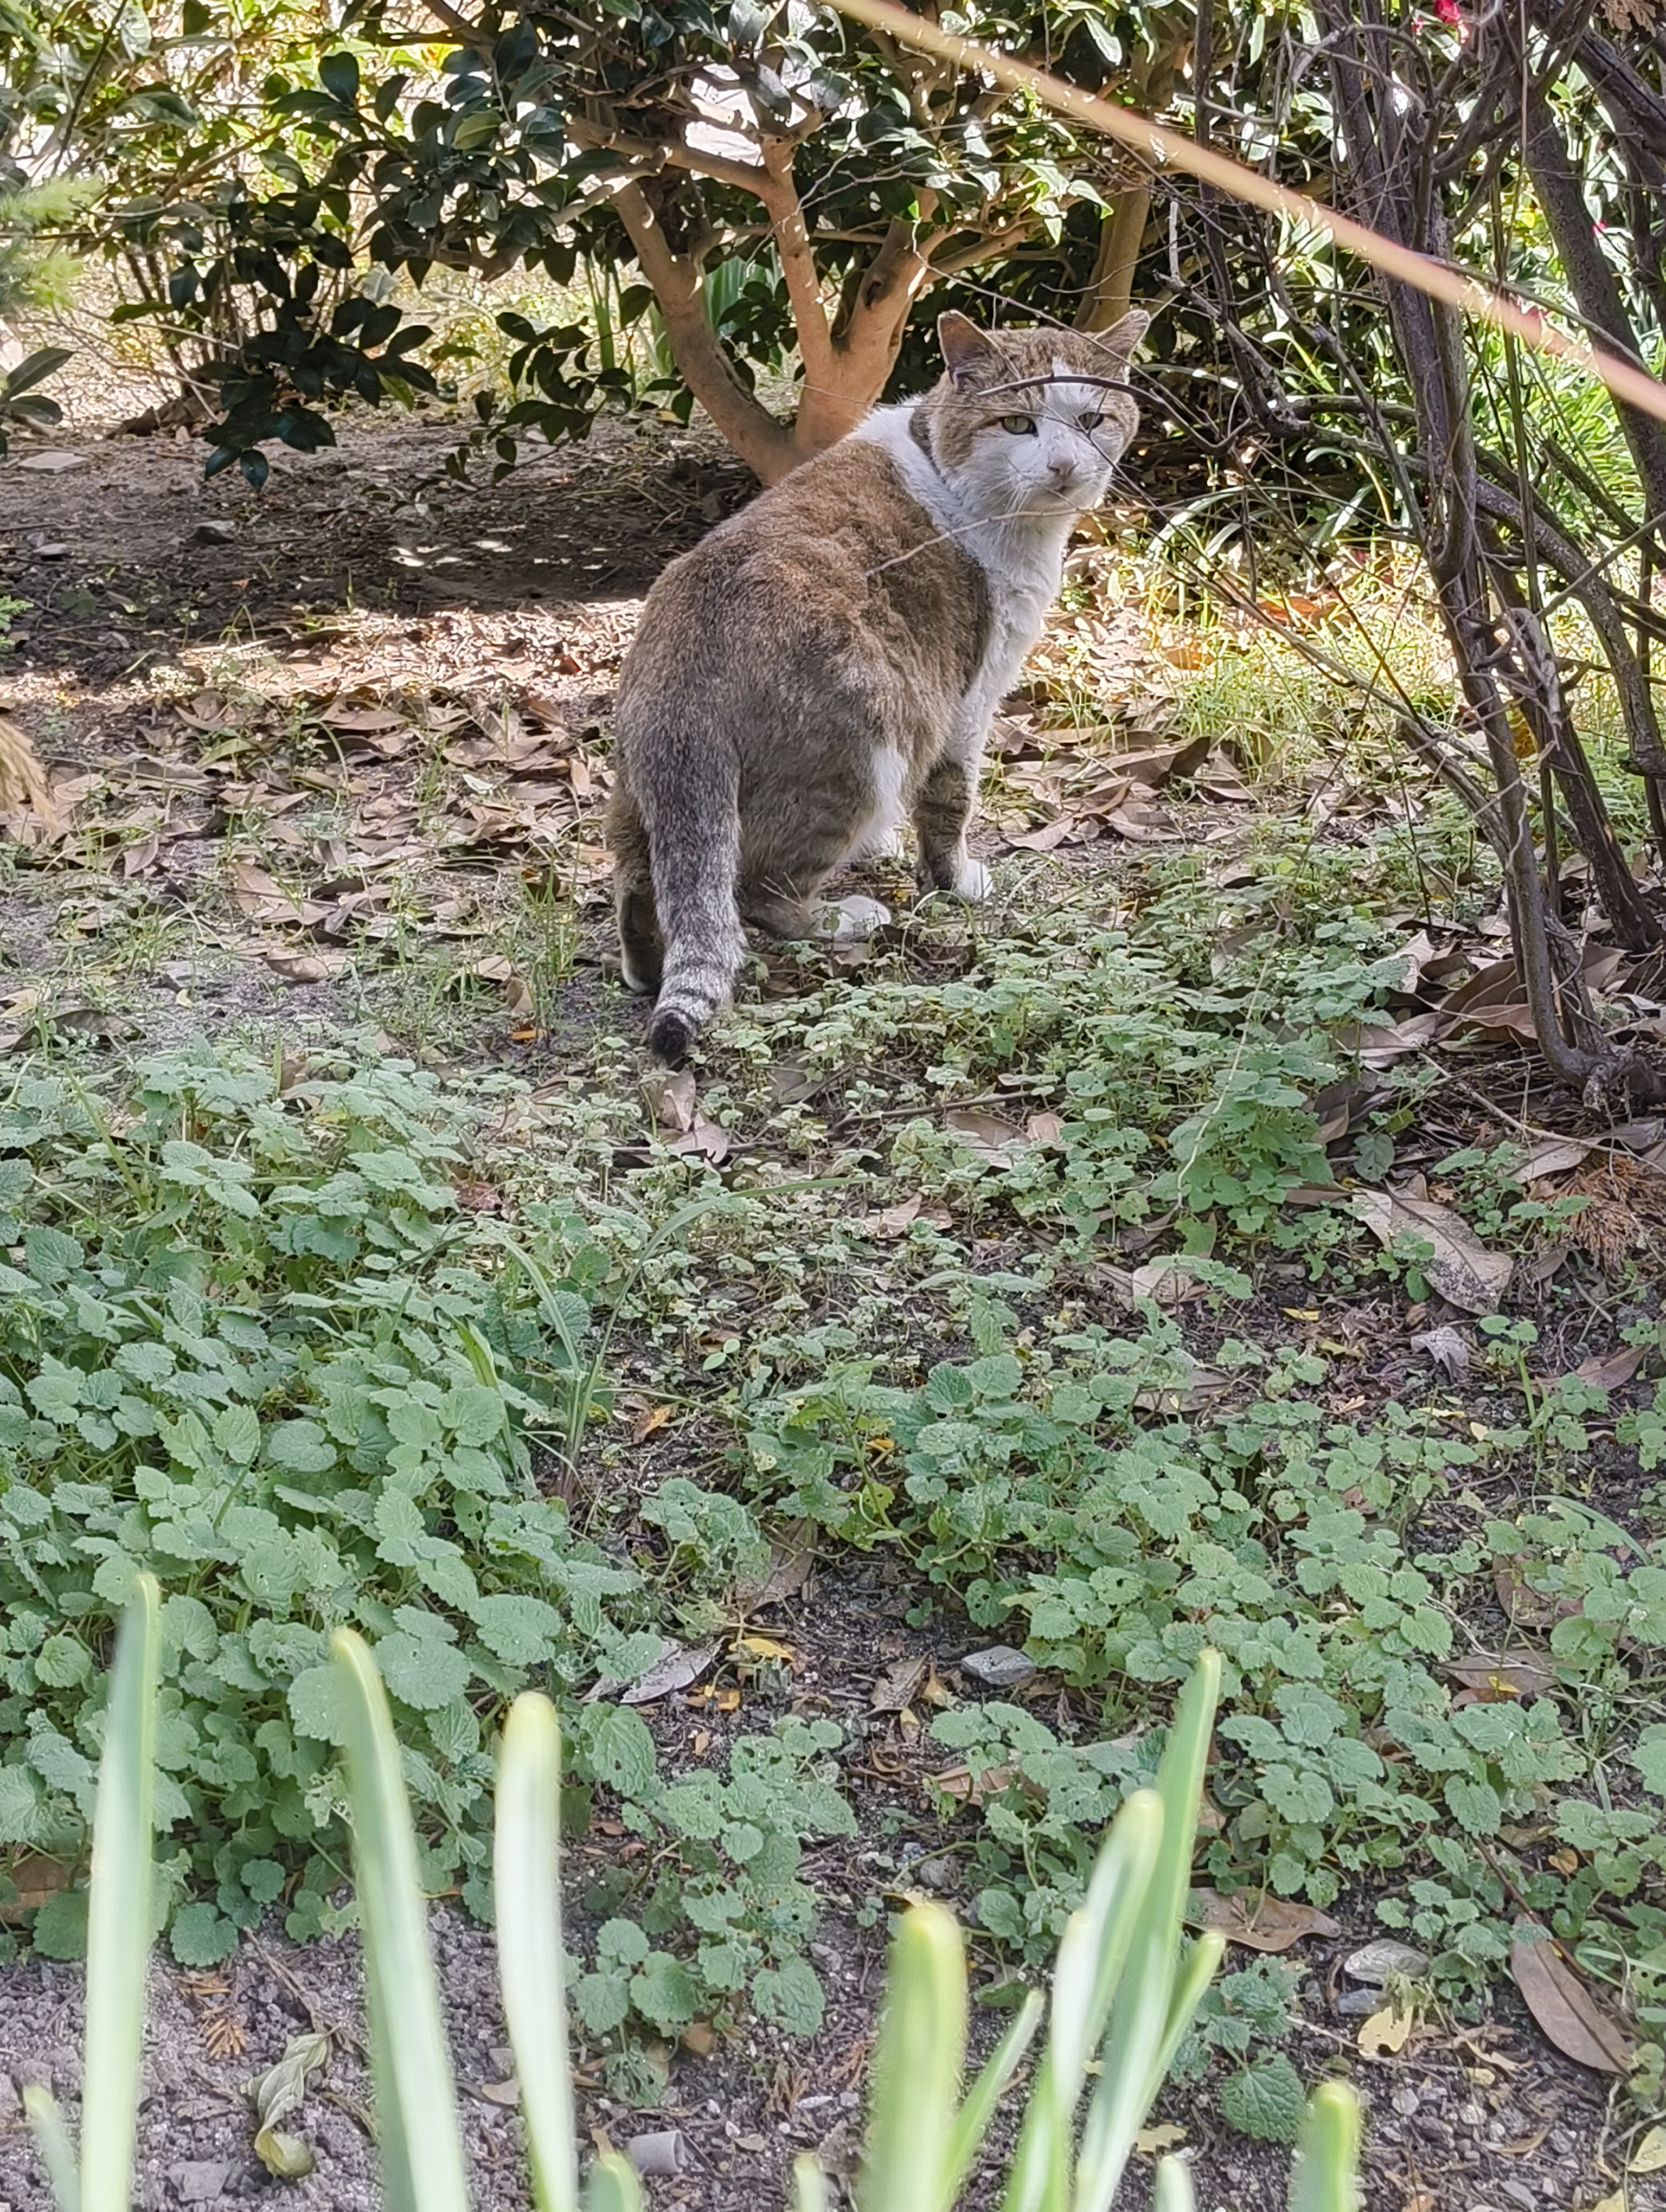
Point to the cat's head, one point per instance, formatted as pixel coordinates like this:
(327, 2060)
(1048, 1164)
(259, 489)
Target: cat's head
(1032, 421)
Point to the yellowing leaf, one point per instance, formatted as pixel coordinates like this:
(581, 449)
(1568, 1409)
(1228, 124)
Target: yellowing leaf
(1151, 2141)
(1385, 2031)
(1649, 2156)
(763, 1647)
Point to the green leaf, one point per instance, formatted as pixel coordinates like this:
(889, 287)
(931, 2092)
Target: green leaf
(237, 1433)
(198, 1936)
(523, 1629)
(1264, 2100)
(602, 2001)
(312, 1698)
(60, 1925)
(791, 1995)
(422, 1671)
(338, 74)
(62, 1660)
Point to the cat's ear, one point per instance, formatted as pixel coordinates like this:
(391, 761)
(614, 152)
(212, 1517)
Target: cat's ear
(1120, 341)
(965, 347)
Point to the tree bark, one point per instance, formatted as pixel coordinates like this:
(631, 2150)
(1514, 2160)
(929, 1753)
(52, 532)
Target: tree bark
(1110, 293)
(740, 418)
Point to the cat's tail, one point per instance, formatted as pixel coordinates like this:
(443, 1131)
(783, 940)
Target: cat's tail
(691, 804)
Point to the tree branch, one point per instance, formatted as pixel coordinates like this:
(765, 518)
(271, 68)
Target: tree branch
(761, 441)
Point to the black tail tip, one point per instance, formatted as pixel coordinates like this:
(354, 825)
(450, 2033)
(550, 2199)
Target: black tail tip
(669, 1037)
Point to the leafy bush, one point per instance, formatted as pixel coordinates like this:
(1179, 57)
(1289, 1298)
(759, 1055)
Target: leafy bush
(1124, 1991)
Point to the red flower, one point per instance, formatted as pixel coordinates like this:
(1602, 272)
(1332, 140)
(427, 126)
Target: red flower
(1448, 12)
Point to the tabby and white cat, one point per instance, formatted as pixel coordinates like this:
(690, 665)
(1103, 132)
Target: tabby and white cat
(827, 663)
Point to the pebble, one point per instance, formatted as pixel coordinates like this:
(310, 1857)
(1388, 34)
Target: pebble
(199, 2181)
(11, 2103)
(1375, 1962)
(214, 533)
(54, 552)
(1405, 2101)
(1470, 2116)
(999, 1668)
(1519, 2193)
(52, 464)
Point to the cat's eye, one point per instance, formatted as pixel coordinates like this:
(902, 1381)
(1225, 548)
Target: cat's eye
(1090, 422)
(1021, 426)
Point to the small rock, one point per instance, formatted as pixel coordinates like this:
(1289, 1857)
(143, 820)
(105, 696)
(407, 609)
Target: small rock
(1519, 2193)
(52, 552)
(1405, 2102)
(214, 533)
(199, 2181)
(1470, 2115)
(666, 2151)
(849, 921)
(11, 2103)
(999, 1668)
(1375, 1962)
(56, 464)
(1359, 2004)
(937, 1874)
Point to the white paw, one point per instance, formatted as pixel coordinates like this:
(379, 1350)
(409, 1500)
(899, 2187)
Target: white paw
(973, 882)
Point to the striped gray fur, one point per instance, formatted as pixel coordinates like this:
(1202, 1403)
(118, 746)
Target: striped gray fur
(825, 665)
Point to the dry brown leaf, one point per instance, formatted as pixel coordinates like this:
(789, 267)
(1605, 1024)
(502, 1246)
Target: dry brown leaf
(650, 1418)
(670, 1095)
(1610, 1371)
(1492, 1681)
(1569, 2011)
(680, 1667)
(1151, 2142)
(986, 1134)
(1462, 1269)
(1551, 1156)
(1256, 1919)
(308, 967)
(1055, 833)
(898, 1684)
(1524, 1607)
(896, 1220)
(35, 1878)
(1044, 1128)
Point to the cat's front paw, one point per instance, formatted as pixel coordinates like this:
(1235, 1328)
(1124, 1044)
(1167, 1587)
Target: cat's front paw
(972, 881)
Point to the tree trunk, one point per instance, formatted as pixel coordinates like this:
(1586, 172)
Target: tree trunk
(740, 418)
(1110, 289)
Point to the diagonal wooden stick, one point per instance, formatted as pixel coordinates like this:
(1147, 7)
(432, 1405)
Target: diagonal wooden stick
(1472, 294)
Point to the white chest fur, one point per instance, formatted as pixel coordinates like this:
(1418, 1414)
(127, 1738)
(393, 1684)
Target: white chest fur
(1022, 558)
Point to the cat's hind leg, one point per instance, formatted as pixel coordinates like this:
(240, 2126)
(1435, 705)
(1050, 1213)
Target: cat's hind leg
(641, 949)
(940, 815)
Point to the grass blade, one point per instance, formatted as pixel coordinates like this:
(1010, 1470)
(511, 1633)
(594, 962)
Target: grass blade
(1327, 2171)
(52, 2140)
(809, 2184)
(1093, 1953)
(916, 2067)
(527, 1876)
(972, 2121)
(1171, 2191)
(416, 2103)
(1132, 2059)
(119, 1911)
